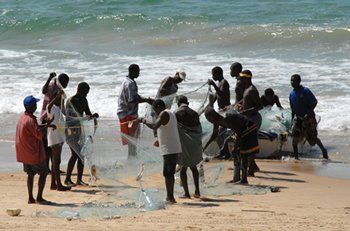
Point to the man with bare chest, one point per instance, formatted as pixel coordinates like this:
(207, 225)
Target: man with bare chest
(250, 106)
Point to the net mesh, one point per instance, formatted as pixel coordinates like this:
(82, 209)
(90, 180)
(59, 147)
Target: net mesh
(135, 184)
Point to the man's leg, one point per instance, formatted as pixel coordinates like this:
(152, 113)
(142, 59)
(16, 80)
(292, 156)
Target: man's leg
(253, 167)
(132, 151)
(183, 177)
(168, 173)
(56, 175)
(41, 186)
(244, 166)
(295, 148)
(134, 133)
(323, 149)
(48, 153)
(68, 181)
(30, 182)
(236, 166)
(169, 184)
(195, 175)
(80, 168)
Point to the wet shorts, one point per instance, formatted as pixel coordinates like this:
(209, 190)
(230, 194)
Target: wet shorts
(40, 169)
(305, 128)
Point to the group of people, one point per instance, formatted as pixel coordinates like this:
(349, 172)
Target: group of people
(40, 140)
(243, 126)
(178, 134)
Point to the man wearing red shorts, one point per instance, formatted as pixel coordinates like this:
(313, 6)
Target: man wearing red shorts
(128, 108)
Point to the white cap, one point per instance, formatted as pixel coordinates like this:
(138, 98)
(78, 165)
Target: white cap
(182, 74)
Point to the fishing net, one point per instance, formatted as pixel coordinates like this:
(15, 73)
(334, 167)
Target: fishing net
(135, 184)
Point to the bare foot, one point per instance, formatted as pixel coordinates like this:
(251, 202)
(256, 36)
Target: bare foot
(42, 201)
(170, 201)
(196, 195)
(31, 201)
(233, 181)
(82, 183)
(53, 187)
(241, 182)
(63, 188)
(69, 183)
(185, 196)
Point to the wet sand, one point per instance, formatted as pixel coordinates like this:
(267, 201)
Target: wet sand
(304, 202)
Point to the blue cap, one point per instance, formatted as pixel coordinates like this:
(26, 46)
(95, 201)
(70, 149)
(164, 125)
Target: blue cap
(30, 101)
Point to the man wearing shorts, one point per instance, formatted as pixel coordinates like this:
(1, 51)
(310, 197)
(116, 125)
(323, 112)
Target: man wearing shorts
(127, 111)
(169, 143)
(51, 86)
(30, 149)
(302, 103)
(246, 135)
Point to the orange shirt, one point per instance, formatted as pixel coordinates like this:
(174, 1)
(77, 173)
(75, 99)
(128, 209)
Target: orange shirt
(29, 144)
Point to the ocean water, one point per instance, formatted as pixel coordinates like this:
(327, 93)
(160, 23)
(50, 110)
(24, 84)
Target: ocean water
(96, 41)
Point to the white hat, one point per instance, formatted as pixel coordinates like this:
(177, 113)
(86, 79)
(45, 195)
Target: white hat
(182, 74)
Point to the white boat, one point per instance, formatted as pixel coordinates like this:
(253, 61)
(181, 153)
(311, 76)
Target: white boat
(272, 145)
(274, 138)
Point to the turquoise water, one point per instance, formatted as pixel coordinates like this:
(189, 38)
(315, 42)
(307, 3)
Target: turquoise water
(144, 27)
(95, 41)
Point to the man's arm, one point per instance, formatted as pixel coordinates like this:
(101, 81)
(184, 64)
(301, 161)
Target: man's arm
(220, 92)
(162, 119)
(134, 97)
(291, 107)
(258, 104)
(164, 87)
(312, 102)
(141, 99)
(212, 83)
(277, 101)
(46, 85)
(213, 136)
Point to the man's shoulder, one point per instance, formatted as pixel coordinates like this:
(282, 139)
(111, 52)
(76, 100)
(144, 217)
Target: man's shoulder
(224, 82)
(128, 83)
(168, 79)
(187, 110)
(27, 118)
(128, 80)
(306, 89)
(52, 88)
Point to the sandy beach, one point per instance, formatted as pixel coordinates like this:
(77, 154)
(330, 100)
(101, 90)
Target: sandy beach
(305, 201)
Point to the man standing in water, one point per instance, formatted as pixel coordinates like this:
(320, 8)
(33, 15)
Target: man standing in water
(169, 143)
(222, 96)
(128, 106)
(302, 103)
(250, 106)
